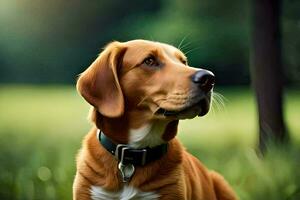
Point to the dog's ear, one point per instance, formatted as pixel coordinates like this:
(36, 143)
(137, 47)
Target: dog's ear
(99, 84)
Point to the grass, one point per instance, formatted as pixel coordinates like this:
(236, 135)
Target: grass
(41, 128)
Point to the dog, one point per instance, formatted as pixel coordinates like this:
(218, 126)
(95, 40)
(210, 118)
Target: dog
(139, 90)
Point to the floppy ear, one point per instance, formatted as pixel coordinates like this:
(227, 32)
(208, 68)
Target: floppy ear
(99, 84)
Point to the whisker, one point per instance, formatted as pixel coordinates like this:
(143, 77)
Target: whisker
(143, 99)
(212, 109)
(221, 97)
(157, 101)
(181, 42)
(194, 49)
(218, 101)
(186, 46)
(215, 105)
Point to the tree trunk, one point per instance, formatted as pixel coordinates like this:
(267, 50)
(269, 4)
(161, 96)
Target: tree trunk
(267, 73)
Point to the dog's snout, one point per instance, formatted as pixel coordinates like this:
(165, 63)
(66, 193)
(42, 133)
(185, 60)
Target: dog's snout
(204, 79)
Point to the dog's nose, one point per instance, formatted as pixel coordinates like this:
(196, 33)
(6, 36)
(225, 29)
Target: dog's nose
(204, 79)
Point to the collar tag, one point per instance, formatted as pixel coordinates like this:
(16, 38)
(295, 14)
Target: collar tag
(126, 171)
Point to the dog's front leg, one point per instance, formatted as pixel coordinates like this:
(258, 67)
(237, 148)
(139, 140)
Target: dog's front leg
(81, 188)
(222, 189)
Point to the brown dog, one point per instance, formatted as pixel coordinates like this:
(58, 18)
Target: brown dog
(139, 90)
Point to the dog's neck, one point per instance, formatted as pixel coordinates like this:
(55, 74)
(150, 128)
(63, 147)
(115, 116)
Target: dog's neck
(147, 134)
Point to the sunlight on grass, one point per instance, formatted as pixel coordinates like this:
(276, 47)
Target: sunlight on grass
(41, 129)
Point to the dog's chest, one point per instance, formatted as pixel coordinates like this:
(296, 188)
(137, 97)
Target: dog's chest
(128, 192)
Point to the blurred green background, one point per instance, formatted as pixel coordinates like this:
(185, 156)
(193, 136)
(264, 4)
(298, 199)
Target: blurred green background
(44, 45)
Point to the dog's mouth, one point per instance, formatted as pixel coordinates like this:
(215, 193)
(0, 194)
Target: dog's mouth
(199, 108)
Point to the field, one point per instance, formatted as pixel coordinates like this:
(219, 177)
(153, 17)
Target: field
(41, 128)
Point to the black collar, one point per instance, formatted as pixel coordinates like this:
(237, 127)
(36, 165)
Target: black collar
(128, 155)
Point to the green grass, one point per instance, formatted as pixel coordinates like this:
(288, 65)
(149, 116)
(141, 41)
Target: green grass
(41, 129)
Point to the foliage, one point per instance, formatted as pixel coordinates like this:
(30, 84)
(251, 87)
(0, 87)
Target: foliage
(42, 127)
(53, 41)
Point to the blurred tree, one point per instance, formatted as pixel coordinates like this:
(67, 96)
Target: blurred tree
(267, 72)
(291, 41)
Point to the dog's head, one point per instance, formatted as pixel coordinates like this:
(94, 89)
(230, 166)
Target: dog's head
(148, 80)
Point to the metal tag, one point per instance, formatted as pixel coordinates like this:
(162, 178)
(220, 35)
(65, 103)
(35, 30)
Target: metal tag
(126, 171)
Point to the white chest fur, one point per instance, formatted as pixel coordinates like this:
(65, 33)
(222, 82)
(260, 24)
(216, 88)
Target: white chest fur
(127, 193)
(149, 135)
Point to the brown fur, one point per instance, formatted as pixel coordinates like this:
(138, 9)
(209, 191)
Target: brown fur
(125, 95)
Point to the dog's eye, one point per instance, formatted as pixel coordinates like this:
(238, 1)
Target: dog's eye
(150, 61)
(184, 62)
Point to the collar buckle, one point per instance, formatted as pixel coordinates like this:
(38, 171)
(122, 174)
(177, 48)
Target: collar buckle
(127, 155)
(119, 151)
